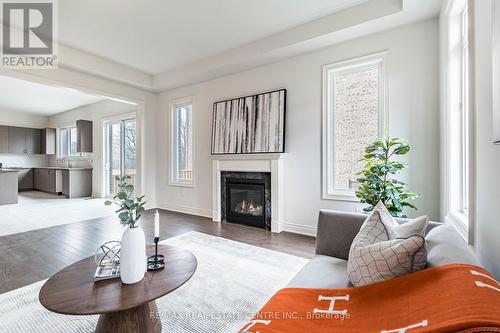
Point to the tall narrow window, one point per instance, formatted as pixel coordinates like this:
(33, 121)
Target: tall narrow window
(120, 152)
(457, 128)
(182, 144)
(353, 115)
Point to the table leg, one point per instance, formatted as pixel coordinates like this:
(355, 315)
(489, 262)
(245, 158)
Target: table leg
(142, 319)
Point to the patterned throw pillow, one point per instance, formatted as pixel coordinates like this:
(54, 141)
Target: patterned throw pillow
(384, 249)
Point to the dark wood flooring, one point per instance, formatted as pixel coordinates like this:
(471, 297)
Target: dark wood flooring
(36, 255)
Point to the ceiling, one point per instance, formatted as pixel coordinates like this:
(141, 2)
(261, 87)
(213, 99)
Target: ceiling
(34, 98)
(158, 45)
(158, 35)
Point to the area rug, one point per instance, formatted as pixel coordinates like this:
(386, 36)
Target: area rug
(233, 280)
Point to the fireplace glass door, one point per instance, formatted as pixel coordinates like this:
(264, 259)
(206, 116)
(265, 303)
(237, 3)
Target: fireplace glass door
(246, 203)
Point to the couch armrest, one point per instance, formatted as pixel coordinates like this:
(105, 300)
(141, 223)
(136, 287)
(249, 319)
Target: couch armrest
(336, 231)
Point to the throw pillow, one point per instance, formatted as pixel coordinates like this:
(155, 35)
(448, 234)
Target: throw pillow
(384, 249)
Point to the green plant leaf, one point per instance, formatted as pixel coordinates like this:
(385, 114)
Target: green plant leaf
(108, 202)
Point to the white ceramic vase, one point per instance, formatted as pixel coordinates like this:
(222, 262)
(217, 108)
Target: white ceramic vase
(132, 255)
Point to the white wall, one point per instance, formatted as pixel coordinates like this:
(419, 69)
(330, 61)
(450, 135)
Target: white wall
(96, 113)
(487, 219)
(413, 74)
(11, 117)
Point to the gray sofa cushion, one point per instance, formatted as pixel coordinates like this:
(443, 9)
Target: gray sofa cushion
(323, 272)
(445, 246)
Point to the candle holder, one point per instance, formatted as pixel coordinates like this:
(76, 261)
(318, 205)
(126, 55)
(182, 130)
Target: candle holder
(156, 261)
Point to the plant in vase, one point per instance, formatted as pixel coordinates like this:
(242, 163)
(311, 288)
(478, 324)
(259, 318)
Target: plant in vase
(133, 245)
(376, 182)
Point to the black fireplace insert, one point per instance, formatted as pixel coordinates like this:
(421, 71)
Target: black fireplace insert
(246, 199)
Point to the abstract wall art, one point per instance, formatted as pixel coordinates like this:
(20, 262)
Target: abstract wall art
(251, 124)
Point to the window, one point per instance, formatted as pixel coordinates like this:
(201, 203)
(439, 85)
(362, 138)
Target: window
(457, 130)
(353, 116)
(182, 144)
(67, 142)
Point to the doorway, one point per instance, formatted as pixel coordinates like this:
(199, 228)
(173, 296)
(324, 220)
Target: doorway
(119, 153)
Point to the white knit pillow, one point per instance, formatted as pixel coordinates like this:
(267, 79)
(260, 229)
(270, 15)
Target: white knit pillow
(384, 249)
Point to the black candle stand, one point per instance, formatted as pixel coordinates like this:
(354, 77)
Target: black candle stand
(156, 261)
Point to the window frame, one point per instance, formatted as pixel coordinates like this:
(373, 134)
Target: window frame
(58, 137)
(173, 181)
(458, 139)
(376, 60)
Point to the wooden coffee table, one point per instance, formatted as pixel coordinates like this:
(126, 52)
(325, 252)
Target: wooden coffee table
(122, 307)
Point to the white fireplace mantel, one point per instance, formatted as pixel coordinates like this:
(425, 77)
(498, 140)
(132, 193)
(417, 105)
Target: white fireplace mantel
(271, 162)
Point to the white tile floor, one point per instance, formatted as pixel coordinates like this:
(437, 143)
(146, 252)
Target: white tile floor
(37, 210)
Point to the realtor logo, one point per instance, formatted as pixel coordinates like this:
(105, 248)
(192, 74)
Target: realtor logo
(28, 34)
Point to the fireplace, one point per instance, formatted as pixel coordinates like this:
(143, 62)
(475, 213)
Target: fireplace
(246, 198)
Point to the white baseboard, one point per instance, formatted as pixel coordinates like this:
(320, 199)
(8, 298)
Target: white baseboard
(288, 227)
(186, 210)
(299, 229)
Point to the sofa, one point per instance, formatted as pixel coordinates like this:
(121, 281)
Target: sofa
(335, 233)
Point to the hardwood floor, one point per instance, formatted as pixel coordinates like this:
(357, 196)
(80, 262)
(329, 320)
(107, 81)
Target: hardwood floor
(35, 255)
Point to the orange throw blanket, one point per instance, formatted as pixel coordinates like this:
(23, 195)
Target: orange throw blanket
(450, 298)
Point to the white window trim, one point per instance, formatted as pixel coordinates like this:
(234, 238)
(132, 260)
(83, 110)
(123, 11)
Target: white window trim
(328, 158)
(463, 224)
(172, 106)
(59, 157)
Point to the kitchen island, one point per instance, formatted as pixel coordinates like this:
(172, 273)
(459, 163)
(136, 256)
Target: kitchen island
(8, 186)
(70, 182)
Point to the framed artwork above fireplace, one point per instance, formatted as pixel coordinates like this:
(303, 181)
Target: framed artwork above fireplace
(250, 124)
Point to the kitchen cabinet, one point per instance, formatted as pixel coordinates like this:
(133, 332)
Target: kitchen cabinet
(84, 140)
(77, 183)
(17, 140)
(25, 179)
(4, 139)
(48, 144)
(24, 140)
(48, 180)
(33, 140)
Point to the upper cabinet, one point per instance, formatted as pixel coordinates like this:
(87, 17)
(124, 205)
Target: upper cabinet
(4, 139)
(17, 140)
(33, 141)
(49, 141)
(21, 140)
(84, 141)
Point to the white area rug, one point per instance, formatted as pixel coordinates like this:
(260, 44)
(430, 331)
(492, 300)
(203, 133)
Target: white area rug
(233, 280)
(37, 210)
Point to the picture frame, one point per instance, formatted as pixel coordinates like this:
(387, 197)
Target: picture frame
(253, 124)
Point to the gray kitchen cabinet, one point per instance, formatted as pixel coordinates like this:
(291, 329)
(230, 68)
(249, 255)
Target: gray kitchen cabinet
(17, 140)
(33, 140)
(77, 183)
(25, 179)
(48, 141)
(84, 140)
(47, 180)
(4, 139)
(22, 140)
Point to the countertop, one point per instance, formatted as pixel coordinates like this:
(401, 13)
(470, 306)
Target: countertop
(63, 168)
(2, 170)
(16, 169)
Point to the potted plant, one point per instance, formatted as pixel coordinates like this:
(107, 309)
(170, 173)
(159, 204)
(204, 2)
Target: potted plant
(376, 180)
(133, 245)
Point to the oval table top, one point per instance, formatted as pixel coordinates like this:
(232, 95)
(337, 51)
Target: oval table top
(73, 291)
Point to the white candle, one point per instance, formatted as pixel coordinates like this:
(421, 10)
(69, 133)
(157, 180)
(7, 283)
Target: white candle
(157, 224)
